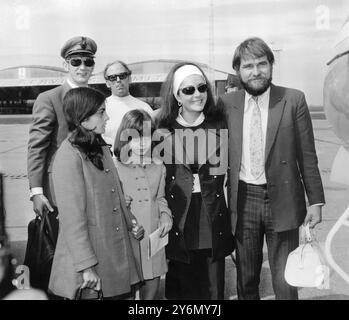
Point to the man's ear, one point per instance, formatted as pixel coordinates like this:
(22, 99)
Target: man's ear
(107, 84)
(65, 65)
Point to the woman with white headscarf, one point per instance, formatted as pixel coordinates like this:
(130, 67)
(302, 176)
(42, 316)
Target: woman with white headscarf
(201, 235)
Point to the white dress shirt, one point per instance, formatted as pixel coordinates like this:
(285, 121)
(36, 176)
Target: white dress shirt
(116, 108)
(263, 103)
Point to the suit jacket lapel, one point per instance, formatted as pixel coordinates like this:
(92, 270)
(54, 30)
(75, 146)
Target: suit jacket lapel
(276, 109)
(65, 88)
(182, 157)
(236, 118)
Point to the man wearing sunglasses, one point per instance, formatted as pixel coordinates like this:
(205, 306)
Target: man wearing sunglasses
(49, 127)
(118, 77)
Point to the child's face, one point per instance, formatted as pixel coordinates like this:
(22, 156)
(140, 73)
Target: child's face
(140, 146)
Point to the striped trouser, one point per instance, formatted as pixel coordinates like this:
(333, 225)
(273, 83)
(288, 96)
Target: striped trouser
(253, 223)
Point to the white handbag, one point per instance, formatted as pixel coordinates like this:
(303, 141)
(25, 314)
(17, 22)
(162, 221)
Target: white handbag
(306, 266)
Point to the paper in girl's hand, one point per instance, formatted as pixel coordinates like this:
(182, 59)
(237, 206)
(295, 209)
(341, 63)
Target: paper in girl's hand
(156, 242)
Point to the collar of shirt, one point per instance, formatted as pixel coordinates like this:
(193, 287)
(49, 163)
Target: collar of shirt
(124, 98)
(71, 84)
(184, 123)
(263, 100)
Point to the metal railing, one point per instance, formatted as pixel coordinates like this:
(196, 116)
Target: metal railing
(342, 221)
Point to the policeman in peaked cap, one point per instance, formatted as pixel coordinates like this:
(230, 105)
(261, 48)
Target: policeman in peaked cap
(79, 46)
(49, 127)
(78, 54)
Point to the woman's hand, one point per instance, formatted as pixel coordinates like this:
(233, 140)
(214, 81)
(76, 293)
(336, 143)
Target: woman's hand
(128, 200)
(165, 224)
(91, 279)
(137, 230)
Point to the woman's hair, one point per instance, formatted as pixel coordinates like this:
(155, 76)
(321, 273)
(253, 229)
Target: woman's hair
(134, 119)
(78, 105)
(169, 105)
(252, 47)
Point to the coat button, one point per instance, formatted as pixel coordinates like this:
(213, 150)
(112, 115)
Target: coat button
(215, 177)
(138, 189)
(172, 196)
(173, 177)
(117, 229)
(145, 188)
(139, 200)
(177, 233)
(107, 170)
(220, 233)
(146, 199)
(115, 209)
(217, 195)
(220, 214)
(113, 190)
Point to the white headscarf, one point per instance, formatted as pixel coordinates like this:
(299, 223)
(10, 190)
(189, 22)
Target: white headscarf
(181, 73)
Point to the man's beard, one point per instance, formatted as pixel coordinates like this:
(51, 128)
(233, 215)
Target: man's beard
(256, 92)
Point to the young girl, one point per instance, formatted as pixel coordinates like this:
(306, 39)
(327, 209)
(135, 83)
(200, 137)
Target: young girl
(144, 185)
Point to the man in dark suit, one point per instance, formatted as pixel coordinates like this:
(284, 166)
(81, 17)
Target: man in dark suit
(49, 127)
(273, 163)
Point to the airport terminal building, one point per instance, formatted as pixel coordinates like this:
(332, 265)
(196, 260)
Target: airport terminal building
(19, 86)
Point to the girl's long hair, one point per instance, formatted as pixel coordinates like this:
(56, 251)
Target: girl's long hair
(78, 105)
(169, 105)
(134, 119)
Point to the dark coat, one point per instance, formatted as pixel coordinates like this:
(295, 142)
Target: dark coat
(291, 165)
(179, 183)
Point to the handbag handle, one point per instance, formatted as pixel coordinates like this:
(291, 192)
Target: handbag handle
(45, 226)
(49, 232)
(78, 294)
(308, 236)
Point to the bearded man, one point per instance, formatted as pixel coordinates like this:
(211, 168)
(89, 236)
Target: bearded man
(273, 164)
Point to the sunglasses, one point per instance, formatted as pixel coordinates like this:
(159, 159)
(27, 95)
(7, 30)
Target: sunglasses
(191, 89)
(76, 62)
(121, 76)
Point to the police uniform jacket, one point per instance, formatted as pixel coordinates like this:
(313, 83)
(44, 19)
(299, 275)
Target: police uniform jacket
(47, 131)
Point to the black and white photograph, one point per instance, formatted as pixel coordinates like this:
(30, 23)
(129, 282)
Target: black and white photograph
(174, 152)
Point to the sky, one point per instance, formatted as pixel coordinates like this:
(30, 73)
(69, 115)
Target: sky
(302, 32)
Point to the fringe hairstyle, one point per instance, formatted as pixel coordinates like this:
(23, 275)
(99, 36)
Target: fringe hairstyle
(133, 119)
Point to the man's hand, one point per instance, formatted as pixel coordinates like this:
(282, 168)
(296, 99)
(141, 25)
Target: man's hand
(91, 279)
(41, 204)
(314, 216)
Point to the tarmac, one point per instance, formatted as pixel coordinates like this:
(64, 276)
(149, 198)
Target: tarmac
(13, 149)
